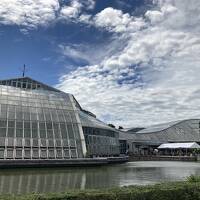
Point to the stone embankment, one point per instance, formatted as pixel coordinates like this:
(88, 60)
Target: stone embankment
(162, 158)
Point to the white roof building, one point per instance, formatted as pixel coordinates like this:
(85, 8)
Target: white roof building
(190, 145)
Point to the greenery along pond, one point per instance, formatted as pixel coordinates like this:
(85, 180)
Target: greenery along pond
(185, 190)
(46, 180)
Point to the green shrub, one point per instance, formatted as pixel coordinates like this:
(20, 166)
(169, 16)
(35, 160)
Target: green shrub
(185, 190)
(193, 179)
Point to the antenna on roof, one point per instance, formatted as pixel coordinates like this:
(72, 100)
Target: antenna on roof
(24, 70)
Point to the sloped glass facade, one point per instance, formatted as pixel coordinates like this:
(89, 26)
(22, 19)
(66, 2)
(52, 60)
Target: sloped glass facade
(37, 123)
(41, 122)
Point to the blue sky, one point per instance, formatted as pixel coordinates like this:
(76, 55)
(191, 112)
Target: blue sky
(38, 48)
(131, 62)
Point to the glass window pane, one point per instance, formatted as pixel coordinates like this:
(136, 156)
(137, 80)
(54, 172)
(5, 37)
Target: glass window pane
(43, 153)
(63, 130)
(72, 143)
(67, 116)
(34, 133)
(33, 116)
(65, 143)
(27, 153)
(9, 153)
(19, 115)
(58, 143)
(1, 153)
(27, 133)
(66, 153)
(3, 114)
(58, 153)
(3, 123)
(27, 116)
(18, 153)
(35, 142)
(35, 153)
(51, 143)
(19, 132)
(19, 142)
(42, 133)
(51, 153)
(56, 126)
(34, 125)
(76, 131)
(73, 117)
(49, 125)
(27, 124)
(73, 153)
(42, 125)
(49, 133)
(43, 143)
(27, 143)
(41, 116)
(57, 134)
(2, 132)
(70, 131)
(54, 116)
(11, 124)
(2, 142)
(11, 115)
(19, 124)
(11, 132)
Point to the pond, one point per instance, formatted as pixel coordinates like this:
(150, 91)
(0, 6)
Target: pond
(42, 180)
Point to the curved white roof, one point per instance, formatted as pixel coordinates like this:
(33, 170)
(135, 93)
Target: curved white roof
(190, 145)
(159, 127)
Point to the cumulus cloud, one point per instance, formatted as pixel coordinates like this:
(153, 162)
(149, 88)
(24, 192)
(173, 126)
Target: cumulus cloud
(89, 4)
(115, 20)
(71, 11)
(75, 11)
(148, 73)
(154, 77)
(28, 13)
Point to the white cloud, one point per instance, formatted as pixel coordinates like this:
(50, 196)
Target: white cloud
(115, 20)
(91, 53)
(89, 4)
(71, 11)
(148, 72)
(74, 52)
(74, 10)
(85, 18)
(154, 77)
(33, 13)
(28, 13)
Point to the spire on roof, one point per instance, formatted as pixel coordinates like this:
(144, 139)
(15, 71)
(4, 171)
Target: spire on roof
(24, 71)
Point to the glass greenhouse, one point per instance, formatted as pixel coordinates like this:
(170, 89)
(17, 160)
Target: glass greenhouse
(41, 122)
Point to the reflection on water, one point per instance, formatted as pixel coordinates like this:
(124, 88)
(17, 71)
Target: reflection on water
(61, 179)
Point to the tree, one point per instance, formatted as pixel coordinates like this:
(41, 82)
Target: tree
(111, 125)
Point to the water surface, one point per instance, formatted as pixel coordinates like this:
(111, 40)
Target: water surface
(43, 180)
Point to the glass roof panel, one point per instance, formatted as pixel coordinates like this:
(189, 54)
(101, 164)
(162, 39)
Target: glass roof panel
(91, 121)
(158, 127)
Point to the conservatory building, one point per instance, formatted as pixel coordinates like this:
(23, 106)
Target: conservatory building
(40, 122)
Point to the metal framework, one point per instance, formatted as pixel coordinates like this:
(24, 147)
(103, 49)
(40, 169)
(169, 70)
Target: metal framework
(41, 122)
